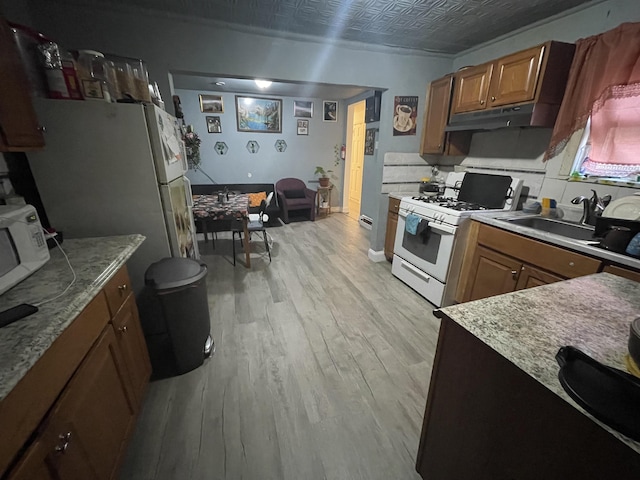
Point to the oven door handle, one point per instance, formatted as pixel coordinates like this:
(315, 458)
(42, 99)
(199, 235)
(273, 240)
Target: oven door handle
(416, 271)
(440, 227)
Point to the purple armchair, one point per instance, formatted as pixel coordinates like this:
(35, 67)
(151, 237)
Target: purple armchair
(293, 194)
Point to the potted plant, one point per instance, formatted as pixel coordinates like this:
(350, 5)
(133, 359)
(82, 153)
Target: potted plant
(324, 176)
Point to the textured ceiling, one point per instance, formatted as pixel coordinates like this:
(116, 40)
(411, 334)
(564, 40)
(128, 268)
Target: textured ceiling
(443, 26)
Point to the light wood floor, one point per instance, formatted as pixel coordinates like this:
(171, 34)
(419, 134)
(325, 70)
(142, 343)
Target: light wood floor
(321, 368)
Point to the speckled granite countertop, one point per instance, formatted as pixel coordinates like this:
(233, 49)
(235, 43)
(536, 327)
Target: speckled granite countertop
(400, 195)
(497, 220)
(528, 327)
(95, 261)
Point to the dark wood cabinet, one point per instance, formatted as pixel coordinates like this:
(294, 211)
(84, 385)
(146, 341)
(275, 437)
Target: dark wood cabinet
(19, 127)
(472, 88)
(497, 262)
(392, 225)
(435, 140)
(73, 413)
(515, 77)
(537, 74)
(493, 274)
(506, 425)
(133, 347)
(622, 272)
(86, 431)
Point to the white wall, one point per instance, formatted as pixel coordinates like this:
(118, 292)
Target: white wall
(175, 44)
(522, 150)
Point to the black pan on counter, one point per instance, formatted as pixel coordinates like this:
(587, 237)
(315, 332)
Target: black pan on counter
(490, 191)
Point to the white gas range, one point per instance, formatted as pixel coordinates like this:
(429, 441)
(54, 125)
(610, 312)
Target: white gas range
(428, 254)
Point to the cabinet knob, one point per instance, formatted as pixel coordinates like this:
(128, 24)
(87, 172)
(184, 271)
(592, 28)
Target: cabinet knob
(481, 102)
(123, 329)
(514, 274)
(122, 288)
(493, 99)
(439, 146)
(42, 128)
(66, 439)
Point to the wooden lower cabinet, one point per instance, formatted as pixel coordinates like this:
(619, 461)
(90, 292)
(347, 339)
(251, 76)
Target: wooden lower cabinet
(622, 272)
(493, 274)
(133, 347)
(86, 431)
(392, 225)
(534, 277)
(486, 419)
(497, 262)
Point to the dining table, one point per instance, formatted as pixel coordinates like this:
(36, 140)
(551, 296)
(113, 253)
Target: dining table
(218, 208)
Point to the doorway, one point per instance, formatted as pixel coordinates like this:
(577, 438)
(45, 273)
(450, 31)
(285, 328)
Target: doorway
(355, 157)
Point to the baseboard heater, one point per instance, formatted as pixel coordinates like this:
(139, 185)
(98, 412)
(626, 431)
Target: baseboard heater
(365, 222)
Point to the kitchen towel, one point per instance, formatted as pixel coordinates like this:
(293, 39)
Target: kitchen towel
(411, 223)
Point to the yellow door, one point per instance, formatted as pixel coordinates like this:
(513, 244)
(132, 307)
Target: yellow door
(356, 163)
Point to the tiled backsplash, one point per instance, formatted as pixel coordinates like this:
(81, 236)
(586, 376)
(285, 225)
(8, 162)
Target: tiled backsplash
(402, 172)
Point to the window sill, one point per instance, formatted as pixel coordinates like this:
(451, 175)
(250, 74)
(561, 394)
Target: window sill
(618, 182)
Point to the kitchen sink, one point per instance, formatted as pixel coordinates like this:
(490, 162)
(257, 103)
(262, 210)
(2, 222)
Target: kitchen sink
(557, 227)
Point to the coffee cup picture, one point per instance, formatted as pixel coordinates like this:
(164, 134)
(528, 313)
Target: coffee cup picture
(403, 116)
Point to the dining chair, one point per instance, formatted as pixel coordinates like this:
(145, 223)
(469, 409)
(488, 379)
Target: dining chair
(252, 227)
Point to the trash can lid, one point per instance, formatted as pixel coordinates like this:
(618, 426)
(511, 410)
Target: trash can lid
(174, 273)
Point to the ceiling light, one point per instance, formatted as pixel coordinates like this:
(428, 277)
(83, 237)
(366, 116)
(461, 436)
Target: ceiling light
(263, 83)
(220, 84)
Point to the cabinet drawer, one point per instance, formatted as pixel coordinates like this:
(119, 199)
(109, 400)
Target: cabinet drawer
(548, 257)
(622, 272)
(25, 406)
(118, 289)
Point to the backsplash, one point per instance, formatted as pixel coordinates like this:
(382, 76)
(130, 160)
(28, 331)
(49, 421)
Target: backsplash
(402, 172)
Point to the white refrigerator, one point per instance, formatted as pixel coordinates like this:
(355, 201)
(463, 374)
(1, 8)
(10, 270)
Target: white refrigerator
(114, 169)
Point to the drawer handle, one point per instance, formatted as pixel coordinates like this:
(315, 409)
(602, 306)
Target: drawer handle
(493, 99)
(123, 329)
(66, 439)
(122, 287)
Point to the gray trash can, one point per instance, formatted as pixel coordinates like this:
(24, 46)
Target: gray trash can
(175, 315)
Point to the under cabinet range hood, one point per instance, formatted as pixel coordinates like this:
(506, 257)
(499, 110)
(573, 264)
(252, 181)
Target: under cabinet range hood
(527, 115)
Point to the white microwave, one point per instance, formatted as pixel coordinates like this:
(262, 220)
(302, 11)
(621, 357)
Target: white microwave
(23, 248)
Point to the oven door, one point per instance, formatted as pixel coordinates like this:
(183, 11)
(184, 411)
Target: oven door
(429, 250)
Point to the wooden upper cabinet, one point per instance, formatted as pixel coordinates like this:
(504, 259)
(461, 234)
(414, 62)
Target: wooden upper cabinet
(435, 141)
(538, 74)
(19, 128)
(515, 77)
(436, 116)
(472, 88)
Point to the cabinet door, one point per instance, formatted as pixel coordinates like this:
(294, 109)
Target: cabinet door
(515, 77)
(19, 129)
(88, 427)
(436, 116)
(389, 239)
(55, 454)
(534, 277)
(493, 274)
(133, 347)
(392, 225)
(471, 89)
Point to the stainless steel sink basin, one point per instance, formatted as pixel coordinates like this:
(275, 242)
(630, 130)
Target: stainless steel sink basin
(557, 227)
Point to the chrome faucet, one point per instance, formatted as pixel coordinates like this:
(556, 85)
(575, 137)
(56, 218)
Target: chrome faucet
(592, 207)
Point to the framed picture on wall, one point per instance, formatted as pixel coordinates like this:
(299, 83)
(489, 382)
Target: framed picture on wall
(302, 108)
(329, 111)
(369, 141)
(211, 104)
(303, 127)
(213, 125)
(258, 114)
